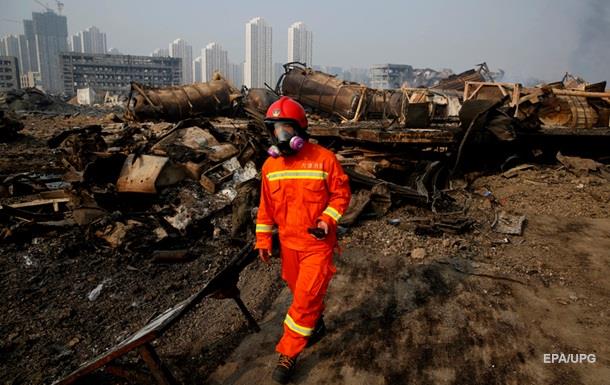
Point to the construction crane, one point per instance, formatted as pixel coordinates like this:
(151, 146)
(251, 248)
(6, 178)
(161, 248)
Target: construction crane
(45, 6)
(60, 6)
(10, 20)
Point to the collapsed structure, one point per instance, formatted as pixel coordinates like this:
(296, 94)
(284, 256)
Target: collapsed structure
(181, 167)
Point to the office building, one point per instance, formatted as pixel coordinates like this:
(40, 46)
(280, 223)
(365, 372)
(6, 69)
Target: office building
(389, 76)
(9, 73)
(113, 73)
(91, 40)
(51, 35)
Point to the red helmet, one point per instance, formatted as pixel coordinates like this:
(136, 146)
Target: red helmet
(287, 109)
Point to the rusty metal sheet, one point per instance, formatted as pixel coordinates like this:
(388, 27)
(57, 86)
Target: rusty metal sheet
(222, 152)
(568, 111)
(322, 91)
(193, 137)
(140, 176)
(457, 82)
(418, 115)
(259, 99)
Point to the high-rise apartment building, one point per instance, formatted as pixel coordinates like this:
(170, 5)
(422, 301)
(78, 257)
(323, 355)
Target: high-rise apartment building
(214, 59)
(258, 68)
(197, 69)
(160, 52)
(300, 43)
(91, 40)
(51, 35)
(180, 48)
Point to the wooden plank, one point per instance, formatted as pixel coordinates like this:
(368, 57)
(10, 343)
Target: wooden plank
(505, 84)
(516, 98)
(40, 202)
(474, 93)
(54, 194)
(501, 87)
(581, 93)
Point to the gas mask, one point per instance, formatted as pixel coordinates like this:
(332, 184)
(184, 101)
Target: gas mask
(286, 141)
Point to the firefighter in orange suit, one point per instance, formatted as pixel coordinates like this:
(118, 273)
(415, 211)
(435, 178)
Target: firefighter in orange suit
(304, 193)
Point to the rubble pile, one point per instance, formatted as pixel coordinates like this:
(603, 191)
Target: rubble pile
(32, 101)
(396, 145)
(167, 181)
(176, 178)
(564, 104)
(9, 126)
(132, 196)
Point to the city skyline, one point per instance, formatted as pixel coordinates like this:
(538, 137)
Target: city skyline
(545, 38)
(533, 50)
(213, 57)
(90, 40)
(257, 71)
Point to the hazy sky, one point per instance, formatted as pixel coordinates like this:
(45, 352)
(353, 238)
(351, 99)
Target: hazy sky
(526, 38)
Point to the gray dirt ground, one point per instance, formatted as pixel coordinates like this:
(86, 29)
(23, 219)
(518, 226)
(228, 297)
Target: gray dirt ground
(471, 311)
(477, 308)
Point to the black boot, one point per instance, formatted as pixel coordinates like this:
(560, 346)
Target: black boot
(284, 369)
(318, 332)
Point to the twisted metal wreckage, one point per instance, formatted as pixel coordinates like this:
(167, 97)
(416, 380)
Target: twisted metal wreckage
(204, 143)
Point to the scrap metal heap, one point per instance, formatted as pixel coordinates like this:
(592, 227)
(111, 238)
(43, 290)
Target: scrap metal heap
(183, 166)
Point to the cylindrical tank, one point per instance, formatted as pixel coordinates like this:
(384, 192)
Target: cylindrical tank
(347, 100)
(176, 103)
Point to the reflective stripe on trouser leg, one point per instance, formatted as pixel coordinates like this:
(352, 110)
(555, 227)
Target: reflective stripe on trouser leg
(315, 272)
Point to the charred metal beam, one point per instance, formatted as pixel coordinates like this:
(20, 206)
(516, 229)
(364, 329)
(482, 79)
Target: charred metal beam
(224, 281)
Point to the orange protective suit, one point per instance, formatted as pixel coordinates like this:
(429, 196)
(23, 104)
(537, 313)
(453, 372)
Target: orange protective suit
(297, 192)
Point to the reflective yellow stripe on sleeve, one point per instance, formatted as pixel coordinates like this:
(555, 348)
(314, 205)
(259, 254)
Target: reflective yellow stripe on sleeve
(302, 330)
(297, 174)
(333, 213)
(264, 228)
